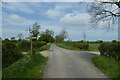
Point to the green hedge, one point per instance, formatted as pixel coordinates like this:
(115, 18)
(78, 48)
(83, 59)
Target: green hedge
(24, 46)
(110, 49)
(38, 44)
(84, 46)
(10, 53)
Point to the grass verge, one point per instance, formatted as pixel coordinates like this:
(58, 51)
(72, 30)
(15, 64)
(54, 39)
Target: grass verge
(27, 67)
(108, 65)
(45, 47)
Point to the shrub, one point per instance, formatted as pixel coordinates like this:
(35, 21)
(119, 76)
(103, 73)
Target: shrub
(24, 46)
(83, 46)
(110, 49)
(10, 53)
(38, 44)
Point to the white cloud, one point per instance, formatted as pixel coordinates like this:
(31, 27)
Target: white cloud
(20, 7)
(53, 13)
(75, 19)
(16, 20)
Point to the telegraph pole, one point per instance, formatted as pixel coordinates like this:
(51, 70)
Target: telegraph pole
(84, 35)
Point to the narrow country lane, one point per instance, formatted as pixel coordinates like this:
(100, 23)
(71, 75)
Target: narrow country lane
(63, 63)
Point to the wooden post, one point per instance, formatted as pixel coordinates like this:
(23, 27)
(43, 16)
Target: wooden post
(31, 44)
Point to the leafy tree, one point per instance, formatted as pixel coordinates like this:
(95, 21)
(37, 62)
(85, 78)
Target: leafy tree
(6, 39)
(47, 36)
(107, 12)
(114, 41)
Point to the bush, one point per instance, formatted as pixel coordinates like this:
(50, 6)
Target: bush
(83, 46)
(10, 53)
(110, 49)
(38, 44)
(24, 46)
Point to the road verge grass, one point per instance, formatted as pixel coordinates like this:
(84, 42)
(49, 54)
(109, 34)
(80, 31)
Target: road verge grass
(108, 65)
(27, 67)
(45, 47)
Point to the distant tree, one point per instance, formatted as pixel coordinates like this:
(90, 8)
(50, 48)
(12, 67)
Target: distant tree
(62, 35)
(20, 36)
(81, 41)
(104, 11)
(114, 41)
(99, 41)
(6, 39)
(12, 38)
(47, 36)
(50, 32)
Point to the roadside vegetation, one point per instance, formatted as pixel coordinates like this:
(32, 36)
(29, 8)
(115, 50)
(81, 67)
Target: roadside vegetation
(26, 67)
(21, 58)
(108, 65)
(109, 59)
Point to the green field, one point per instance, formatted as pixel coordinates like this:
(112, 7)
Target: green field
(66, 46)
(92, 47)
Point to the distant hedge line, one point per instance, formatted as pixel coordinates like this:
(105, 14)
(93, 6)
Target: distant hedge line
(26, 46)
(83, 46)
(110, 49)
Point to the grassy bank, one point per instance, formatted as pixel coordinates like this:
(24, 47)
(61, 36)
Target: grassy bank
(27, 67)
(45, 47)
(92, 47)
(108, 65)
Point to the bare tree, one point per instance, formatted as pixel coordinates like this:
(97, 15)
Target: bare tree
(20, 36)
(107, 12)
(62, 35)
(35, 30)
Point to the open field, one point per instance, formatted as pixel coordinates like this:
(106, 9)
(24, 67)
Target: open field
(92, 47)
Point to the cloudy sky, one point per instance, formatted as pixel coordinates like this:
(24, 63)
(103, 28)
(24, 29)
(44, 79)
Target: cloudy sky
(18, 16)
